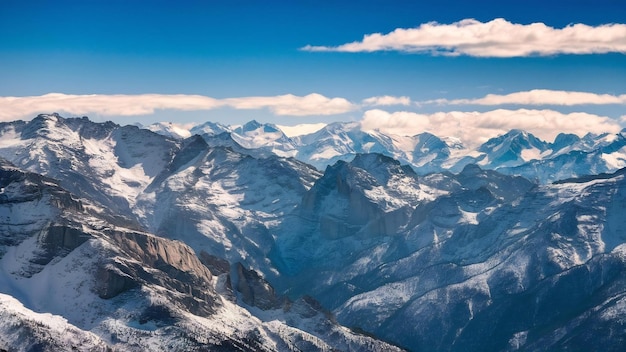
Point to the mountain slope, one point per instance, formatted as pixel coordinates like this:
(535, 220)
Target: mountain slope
(130, 240)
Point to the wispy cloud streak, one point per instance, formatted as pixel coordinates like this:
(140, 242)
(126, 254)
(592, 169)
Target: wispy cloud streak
(496, 38)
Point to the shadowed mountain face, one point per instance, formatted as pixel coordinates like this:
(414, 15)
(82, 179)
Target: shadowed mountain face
(459, 258)
(127, 239)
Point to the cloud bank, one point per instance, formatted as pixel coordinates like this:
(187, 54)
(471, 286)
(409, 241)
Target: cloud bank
(496, 38)
(13, 108)
(538, 97)
(475, 128)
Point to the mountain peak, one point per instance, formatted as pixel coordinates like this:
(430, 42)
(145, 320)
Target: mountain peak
(564, 139)
(380, 166)
(255, 126)
(209, 128)
(248, 127)
(169, 129)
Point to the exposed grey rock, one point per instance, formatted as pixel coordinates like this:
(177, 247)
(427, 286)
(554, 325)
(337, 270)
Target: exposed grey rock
(216, 265)
(255, 290)
(177, 269)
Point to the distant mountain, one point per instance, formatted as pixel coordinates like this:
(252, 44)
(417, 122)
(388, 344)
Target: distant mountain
(511, 149)
(588, 156)
(516, 152)
(209, 128)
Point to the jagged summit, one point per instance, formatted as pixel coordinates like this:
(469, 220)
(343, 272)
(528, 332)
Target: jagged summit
(249, 127)
(169, 129)
(563, 140)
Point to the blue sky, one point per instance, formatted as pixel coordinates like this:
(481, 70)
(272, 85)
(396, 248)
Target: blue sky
(239, 49)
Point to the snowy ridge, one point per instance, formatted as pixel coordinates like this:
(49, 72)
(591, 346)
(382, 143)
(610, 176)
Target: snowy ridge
(224, 202)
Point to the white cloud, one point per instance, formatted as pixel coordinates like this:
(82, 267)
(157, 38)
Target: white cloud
(301, 129)
(496, 38)
(386, 100)
(312, 104)
(475, 128)
(12, 108)
(539, 97)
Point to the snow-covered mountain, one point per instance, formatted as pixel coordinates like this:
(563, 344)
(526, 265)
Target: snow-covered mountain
(72, 277)
(169, 129)
(87, 261)
(108, 163)
(119, 238)
(587, 156)
(209, 128)
(252, 138)
(470, 262)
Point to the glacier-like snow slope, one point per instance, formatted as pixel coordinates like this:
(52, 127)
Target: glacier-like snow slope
(476, 261)
(253, 138)
(590, 155)
(74, 278)
(169, 129)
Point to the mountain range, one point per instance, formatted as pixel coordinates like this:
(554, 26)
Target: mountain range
(220, 238)
(514, 153)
